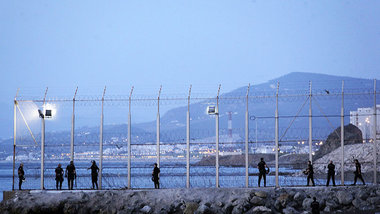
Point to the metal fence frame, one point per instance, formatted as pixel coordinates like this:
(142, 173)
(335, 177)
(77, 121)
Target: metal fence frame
(188, 133)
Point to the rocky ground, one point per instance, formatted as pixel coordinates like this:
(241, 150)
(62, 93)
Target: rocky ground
(349, 199)
(363, 152)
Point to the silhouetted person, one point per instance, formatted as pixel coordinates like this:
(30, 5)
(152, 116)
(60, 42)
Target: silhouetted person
(59, 176)
(262, 172)
(330, 173)
(155, 176)
(94, 174)
(70, 174)
(310, 173)
(358, 172)
(314, 206)
(21, 175)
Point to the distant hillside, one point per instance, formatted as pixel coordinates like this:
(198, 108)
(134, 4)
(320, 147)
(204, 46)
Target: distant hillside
(202, 125)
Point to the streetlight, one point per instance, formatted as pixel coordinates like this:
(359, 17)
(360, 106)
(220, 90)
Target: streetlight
(254, 118)
(367, 122)
(48, 114)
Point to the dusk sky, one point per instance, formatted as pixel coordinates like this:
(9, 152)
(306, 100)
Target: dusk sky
(64, 44)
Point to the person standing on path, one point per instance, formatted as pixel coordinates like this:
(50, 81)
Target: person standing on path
(94, 174)
(262, 172)
(331, 173)
(59, 176)
(310, 173)
(155, 176)
(21, 175)
(70, 174)
(358, 172)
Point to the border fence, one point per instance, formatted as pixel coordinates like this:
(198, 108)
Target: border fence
(199, 140)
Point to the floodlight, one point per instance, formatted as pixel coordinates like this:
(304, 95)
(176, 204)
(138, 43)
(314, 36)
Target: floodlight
(48, 113)
(41, 114)
(211, 110)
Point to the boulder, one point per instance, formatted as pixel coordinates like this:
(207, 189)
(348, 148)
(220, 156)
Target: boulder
(219, 204)
(260, 210)
(352, 135)
(283, 199)
(344, 197)
(203, 209)
(191, 207)
(306, 203)
(327, 209)
(290, 210)
(332, 204)
(299, 197)
(256, 200)
(374, 200)
(362, 194)
(238, 209)
(261, 194)
(228, 208)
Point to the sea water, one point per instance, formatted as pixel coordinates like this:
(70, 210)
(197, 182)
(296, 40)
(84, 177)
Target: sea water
(173, 175)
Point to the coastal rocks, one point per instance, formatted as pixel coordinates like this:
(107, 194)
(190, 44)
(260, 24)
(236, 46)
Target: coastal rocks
(344, 197)
(261, 194)
(200, 201)
(203, 209)
(306, 203)
(362, 194)
(260, 210)
(191, 207)
(290, 210)
(299, 197)
(257, 201)
(146, 209)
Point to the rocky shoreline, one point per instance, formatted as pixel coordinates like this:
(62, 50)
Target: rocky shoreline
(346, 199)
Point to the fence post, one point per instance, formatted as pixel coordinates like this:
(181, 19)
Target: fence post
(158, 127)
(42, 151)
(246, 142)
(374, 134)
(276, 135)
(129, 140)
(43, 142)
(14, 139)
(217, 139)
(342, 136)
(101, 142)
(73, 128)
(188, 141)
(310, 126)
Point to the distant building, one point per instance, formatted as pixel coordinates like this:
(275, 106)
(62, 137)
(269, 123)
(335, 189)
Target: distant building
(363, 119)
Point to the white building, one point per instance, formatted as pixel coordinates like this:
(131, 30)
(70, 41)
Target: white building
(363, 119)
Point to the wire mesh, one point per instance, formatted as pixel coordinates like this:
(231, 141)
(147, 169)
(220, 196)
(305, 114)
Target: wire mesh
(299, 102)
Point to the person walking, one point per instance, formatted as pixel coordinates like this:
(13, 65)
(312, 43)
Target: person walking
(94, 174)
(70, 174)
(262, 171)
(331, 173)
(21, 175)
(310, 173)
(155, 176)
(358, 172)
(59, 176)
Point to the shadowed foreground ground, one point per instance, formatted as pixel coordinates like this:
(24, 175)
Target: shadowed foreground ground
(348, 199)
